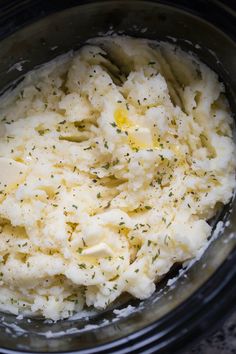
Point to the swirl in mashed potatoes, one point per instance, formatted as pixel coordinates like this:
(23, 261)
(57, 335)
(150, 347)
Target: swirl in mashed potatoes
(112, 159)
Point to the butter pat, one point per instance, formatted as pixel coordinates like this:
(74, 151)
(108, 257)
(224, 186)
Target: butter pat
(100, 250)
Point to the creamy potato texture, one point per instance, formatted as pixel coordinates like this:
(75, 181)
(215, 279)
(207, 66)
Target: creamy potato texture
(112, 159)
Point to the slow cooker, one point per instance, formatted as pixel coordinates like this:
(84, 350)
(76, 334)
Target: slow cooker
(190, 301)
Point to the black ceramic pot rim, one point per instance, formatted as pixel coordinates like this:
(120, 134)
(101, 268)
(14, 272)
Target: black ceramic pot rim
(15, 14)
(216, 298)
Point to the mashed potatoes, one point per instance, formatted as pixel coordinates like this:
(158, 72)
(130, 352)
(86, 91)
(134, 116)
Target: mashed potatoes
(112, 159)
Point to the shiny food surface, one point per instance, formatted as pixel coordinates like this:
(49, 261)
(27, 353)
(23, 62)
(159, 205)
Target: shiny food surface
(112, 159)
